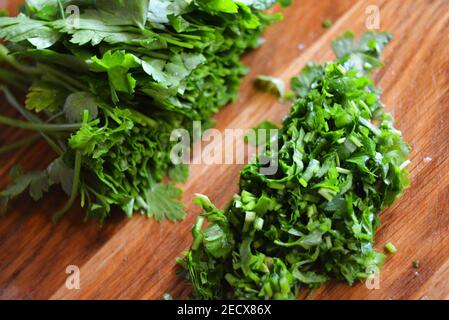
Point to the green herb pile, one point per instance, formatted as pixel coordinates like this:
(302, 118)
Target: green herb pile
(105, 89)
(341, 161)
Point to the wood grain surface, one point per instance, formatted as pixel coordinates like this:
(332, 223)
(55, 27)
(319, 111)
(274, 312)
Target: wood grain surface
(135, 258)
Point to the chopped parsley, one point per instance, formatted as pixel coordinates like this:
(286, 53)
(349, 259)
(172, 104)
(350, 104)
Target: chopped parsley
(340, 164)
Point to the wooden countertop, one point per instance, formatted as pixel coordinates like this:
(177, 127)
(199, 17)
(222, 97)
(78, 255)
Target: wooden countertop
(135, 258)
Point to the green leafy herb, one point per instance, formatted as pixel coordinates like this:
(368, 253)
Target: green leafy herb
(340, 162)
(44, 96)
(162, 201)
(110, 90)
(77, 103)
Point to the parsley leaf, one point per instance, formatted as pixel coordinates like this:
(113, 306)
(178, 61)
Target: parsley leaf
(163, 203)
(77, 103)
(44, 96)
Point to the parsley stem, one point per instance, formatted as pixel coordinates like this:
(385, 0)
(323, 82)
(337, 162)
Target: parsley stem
(18, 144)
(145, 52)
(56, 148)
(11, 78)
(30, 117)
(75, 189)
(69, 80)
(12, 100)
(38, 126)
(390, 248)
(40, 69)
(55, 116)
(197, 233)
(175, 42)
(54, 80)
(16, 65)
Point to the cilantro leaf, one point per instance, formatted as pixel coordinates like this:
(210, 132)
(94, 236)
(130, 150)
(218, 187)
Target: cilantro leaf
(307, 80)
(22, 28)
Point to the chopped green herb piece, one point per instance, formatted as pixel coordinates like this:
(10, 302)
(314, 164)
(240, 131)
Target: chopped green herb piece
(390, 248)
(167, 296)
(271, 84)
(327, 24)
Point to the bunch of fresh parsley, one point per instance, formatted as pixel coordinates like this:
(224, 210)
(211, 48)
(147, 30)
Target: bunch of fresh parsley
(341, 161)
(108, 81)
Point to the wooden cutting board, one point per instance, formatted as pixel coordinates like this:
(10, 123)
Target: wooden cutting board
(135, 258)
